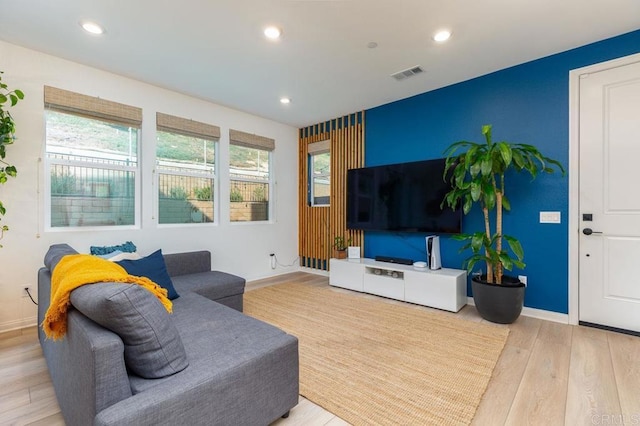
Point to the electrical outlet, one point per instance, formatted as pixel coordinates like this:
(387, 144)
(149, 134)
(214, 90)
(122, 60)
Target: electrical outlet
(523, 279)
(272, 260)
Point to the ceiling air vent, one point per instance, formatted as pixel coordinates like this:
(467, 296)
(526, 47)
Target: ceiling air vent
(401, 75)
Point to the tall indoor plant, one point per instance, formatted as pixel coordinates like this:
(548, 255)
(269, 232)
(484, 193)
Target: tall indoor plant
(477, 173)
(8, 99)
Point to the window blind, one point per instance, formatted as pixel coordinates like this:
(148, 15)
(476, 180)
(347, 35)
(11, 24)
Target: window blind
(92, 107)
(319, 147)
(248, 140)
(172, 124)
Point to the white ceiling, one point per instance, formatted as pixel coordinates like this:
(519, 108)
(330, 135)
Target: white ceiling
(215, 50)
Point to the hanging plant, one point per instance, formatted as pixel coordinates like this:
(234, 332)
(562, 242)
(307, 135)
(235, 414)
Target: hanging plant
(8, 99)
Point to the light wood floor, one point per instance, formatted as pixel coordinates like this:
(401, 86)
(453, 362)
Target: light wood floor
(548, 374)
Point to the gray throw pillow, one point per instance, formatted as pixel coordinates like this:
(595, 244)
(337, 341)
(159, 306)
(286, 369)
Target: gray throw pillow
(152, 345)
(55, 253)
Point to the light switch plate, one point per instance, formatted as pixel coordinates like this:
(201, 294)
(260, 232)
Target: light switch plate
(549, 217)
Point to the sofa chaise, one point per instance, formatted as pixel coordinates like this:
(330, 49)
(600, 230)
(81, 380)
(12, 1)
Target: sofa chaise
(231, 370)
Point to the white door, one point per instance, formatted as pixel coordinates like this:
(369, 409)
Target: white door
(609, 255)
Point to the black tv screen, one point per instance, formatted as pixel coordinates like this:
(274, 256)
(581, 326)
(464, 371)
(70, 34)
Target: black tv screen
(402, 197)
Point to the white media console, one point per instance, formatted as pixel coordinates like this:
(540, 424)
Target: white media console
(442, 288)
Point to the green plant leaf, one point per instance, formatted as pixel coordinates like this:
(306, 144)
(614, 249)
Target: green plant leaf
(461, 237)
(459, 173)
(451, 149)
(486, 166)
(464, 248)
(506, 261)
(19, 93)
(474, 169)
(518, 159)
(557, 164)
(486, 131)
(505, 203)
(476, 190)
(477, 241)
(505, 153)
(489, 195)
(470, 156)
(519, 264)
(515, 246)
(466, 207)
(3, 98)
(471, 263)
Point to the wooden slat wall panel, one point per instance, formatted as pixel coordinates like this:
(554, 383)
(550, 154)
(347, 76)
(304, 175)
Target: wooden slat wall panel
(318, 226)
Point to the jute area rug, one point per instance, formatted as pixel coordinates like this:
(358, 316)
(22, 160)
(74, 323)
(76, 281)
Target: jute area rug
(371, 362)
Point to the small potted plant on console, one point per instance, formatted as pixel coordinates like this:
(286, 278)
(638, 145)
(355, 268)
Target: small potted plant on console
(340, 247)
(477, 174)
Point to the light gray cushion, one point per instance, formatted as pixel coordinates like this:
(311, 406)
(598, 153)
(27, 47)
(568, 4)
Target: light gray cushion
(187, 263)
(152, 345)
(213, 285)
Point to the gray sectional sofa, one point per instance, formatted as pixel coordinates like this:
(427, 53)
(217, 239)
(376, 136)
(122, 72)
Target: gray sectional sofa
(219, 367)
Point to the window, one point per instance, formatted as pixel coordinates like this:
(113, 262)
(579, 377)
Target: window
(250, 176)
(91, 160)
(319, 179)
(185, 157)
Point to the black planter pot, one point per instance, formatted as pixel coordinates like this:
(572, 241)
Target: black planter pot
(500, 303)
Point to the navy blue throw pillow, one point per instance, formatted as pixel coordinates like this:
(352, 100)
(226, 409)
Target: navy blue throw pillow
(152, 267)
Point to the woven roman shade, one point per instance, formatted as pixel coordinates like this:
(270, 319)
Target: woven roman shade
(236, 137)
(319, 147)
(186, 127)
(92, 107)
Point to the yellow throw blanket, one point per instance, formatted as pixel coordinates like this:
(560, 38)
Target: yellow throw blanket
(76, 270)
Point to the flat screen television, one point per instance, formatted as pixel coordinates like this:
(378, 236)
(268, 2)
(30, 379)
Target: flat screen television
(402, 197)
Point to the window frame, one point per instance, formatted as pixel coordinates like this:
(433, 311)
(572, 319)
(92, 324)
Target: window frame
(171, 124)
(157, 171)
(269, 183)
(252, 141)
(48, 163)
(311, 180)
(313, 149)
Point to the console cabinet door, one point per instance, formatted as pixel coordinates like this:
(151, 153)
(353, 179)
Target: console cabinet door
(443, 290)
(383, 285)
(346, 274)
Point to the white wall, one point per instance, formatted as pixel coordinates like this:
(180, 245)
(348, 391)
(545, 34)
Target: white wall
(239, 248)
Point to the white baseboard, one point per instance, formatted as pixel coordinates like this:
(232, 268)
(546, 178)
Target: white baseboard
(277, 272)
(314, 271)
(18, 324)
(537, 313)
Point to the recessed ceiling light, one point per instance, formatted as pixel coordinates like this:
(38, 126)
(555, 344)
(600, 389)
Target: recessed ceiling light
(285, 100)
(372, 45)
(441, 36)
(92, 27)
(272, 33)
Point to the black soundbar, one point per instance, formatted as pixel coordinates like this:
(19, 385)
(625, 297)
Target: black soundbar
(399, 260)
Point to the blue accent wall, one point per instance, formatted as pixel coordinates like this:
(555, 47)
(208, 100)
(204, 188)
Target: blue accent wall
(528, 103)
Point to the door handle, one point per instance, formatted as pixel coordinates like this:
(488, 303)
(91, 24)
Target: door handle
(589, 231)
